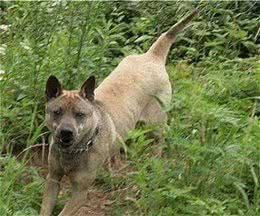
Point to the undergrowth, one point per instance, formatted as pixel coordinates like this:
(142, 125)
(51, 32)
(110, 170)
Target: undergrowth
(209, 163)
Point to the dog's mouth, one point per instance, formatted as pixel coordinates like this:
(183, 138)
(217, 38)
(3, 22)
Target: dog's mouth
(64, 142)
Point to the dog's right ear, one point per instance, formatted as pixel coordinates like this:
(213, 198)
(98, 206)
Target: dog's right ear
(53, 88)
(87, 89)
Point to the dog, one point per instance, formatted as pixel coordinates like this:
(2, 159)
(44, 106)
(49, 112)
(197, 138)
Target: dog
(86, 124)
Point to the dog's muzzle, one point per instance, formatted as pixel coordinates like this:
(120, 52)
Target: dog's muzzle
(65, 138)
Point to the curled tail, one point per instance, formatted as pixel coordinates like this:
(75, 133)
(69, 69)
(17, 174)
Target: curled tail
(161, 47)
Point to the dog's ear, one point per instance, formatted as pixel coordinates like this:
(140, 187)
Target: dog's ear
(53, 88)
(87, 89)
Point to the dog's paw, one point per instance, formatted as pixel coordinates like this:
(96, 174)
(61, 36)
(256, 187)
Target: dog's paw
(88, 211)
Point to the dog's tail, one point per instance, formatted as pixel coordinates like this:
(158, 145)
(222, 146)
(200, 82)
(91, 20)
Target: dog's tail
(161, 47)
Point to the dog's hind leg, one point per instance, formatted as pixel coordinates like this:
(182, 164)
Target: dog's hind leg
(154, 113)
(154, 116)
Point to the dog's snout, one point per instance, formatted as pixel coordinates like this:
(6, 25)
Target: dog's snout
(66, 135)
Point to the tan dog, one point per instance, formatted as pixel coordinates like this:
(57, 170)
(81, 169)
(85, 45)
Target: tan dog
(86, 124)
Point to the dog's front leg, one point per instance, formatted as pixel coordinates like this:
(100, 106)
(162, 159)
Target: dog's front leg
(80, 183)
(80, 193)
(73, 206)
(50, 194)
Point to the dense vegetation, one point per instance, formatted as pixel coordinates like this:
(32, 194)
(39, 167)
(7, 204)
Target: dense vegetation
(210, 164)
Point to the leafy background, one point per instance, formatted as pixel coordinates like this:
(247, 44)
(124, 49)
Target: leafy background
(211, 157)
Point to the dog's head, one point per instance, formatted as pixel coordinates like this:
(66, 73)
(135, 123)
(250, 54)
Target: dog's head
(70, 115)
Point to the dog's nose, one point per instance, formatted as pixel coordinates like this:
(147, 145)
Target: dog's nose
(66, 135)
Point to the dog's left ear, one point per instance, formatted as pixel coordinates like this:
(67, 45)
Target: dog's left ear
(87, 89)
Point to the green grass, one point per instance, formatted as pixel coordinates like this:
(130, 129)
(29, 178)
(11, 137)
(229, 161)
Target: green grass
(210, 162)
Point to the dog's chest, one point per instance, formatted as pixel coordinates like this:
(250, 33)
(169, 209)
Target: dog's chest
(69, 163)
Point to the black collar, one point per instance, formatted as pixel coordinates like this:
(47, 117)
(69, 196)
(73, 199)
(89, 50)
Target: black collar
(83, 148)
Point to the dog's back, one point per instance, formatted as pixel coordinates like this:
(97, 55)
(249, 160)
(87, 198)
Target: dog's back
(131, 91)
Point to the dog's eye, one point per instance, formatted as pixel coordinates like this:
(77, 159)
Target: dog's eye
(57, 112)
(80, 114)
